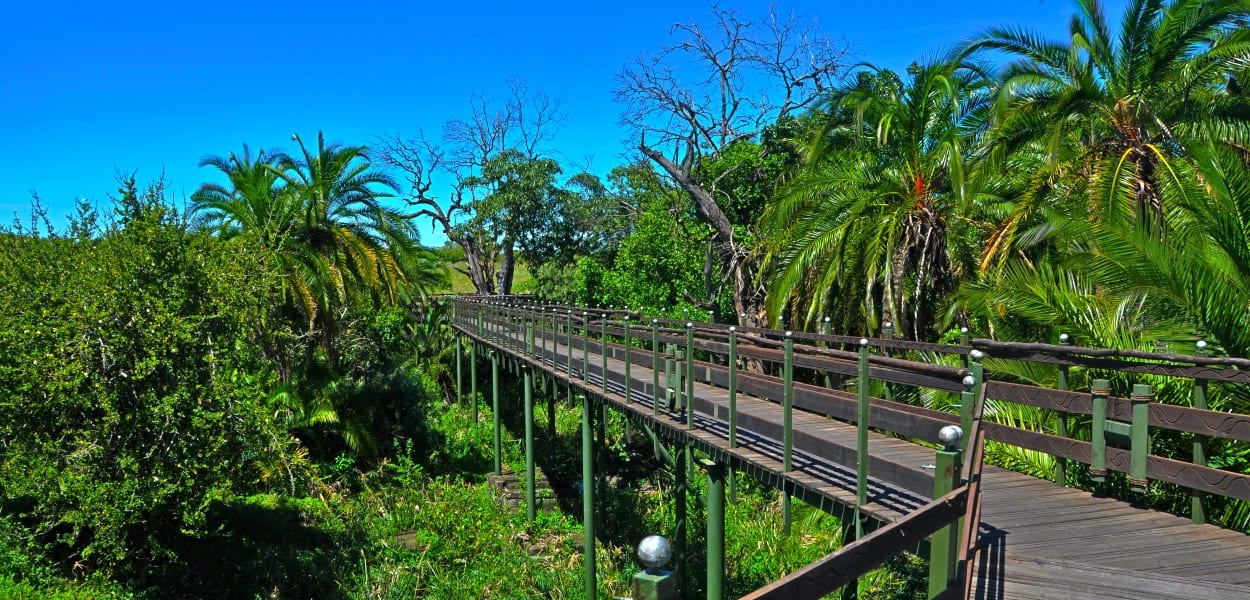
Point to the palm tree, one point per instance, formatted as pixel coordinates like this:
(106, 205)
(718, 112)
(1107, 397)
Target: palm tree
(872, 210)
(1107, 112)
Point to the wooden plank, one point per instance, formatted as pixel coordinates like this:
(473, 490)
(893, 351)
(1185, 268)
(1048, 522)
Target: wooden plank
(857, 558)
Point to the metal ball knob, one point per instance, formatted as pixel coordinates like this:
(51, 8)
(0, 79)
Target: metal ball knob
(969, 381)
(654, 551)
(976, 354)
(950, 435)
(863, 341)
(1202, 344)
(1063, 338)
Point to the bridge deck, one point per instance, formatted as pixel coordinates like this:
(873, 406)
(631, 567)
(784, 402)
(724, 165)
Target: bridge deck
(1037, 540)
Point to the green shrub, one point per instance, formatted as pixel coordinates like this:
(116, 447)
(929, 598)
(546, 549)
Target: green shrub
(122, 415)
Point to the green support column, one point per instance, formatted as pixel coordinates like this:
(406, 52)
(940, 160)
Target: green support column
(1139, 435)
(1197, 511)
(787, 428)
(603, 352)
(460, 371)
(977, 367)
(655, 367)
(827, 328)
(1099, 389)
(887, 332)
(494, 385)
(690, 376)
(944, 544)
(530, 512)
(473, 370)
(601, 463)
(679, 518)
(715, 531)
(629, 383)
(1061, 420)
(862, 383)
(588, 497)
(585, 347)
(733, 405)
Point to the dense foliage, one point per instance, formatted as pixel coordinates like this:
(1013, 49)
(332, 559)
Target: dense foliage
(251, 392)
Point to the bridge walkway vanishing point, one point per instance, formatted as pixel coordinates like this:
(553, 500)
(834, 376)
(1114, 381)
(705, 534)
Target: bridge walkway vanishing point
(1036, 539)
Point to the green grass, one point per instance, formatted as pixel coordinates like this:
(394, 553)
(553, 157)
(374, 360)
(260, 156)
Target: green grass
(522, 280)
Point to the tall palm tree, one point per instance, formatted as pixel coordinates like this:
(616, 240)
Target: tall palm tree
(872, 210)
(1107, 112)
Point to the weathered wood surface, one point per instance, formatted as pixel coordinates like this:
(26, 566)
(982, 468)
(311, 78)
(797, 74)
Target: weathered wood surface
(1037, 540)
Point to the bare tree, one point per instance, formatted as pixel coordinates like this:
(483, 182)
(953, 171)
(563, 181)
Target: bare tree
(526, 122)
(715, 86)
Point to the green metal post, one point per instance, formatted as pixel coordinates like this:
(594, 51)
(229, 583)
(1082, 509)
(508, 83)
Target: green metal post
(679, 518)
(473, 369)
(1143, 394)
(585, 346)
(655, 367)
(690, 376)
(601, 463)
(588, 497)
(862, 383)
(1099, 389)
(715, 531)
(733, 405)
(460, 372)
(530, 511)
(787, 428)
(603, 352)
(978, 377)
(1061, 421)
(629, 382)
(887, 332)
(827, 329)
(964, 339)
(1197, 511)
(494, 381)
(670, 379)
(944, 544)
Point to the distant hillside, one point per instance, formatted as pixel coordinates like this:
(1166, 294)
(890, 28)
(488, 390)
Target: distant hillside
(522, 280)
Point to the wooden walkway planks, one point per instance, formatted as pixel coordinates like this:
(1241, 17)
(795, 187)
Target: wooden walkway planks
(1038, 541)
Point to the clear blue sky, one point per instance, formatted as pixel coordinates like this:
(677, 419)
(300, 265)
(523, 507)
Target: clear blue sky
(89, 88)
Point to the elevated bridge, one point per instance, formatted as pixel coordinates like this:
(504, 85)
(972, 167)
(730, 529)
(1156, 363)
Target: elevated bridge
(813, 416)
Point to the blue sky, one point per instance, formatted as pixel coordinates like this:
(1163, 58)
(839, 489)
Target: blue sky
(90, 88)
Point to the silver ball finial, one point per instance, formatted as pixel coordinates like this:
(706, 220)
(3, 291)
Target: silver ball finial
(654, 551)
(888, 325)
(1063, 338)
(1202, 344)
(826, 319)
(789, 334)
(863, 341)
(950, 435)
(689, 324)
(655, 320)
(969, 381)
(963, 330)
(976, 354)
(732, 329)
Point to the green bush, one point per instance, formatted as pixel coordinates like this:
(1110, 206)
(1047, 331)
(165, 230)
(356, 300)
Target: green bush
(123, 414)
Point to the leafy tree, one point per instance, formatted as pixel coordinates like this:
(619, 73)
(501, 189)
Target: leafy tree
(1108, 112)
(703, 95)
(871, 213)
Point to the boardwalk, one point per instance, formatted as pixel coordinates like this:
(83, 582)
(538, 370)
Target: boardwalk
(1036, 540)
